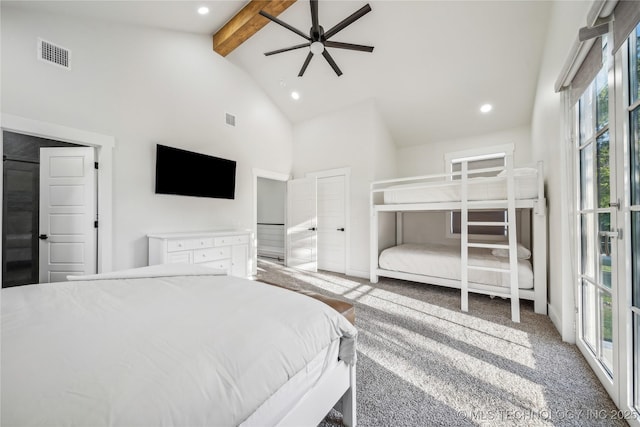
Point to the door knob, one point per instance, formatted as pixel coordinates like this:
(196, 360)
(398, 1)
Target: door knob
(341, 229)
(43, 237)
(312, 229)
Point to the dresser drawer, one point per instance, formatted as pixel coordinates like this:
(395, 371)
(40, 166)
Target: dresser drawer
(219, 265)
(183, 257)
(186, 244)
(211, 254)
(231, 240)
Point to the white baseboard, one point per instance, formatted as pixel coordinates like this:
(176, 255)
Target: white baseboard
(358, 273)
(555, 319)
(557, 322)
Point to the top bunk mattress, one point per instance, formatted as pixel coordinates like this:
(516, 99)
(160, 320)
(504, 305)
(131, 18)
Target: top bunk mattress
(525, 179)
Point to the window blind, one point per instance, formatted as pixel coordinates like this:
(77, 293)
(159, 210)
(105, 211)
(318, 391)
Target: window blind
(626, 18)
(587, 71)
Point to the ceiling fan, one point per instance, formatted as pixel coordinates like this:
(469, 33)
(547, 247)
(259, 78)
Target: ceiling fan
(318, 39)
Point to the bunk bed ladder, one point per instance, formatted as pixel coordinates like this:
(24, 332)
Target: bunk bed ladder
(510, 225)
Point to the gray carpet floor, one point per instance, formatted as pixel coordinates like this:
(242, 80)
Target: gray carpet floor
(423, 362)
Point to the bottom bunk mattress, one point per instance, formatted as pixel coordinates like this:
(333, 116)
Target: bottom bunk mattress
(443, 261)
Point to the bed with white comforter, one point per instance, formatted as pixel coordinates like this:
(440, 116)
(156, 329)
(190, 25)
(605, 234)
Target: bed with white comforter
(181, 348)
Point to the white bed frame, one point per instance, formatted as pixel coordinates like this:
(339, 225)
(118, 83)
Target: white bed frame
(336, 385)
(387, 230)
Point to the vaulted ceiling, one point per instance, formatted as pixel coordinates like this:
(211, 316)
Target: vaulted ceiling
(434, 63)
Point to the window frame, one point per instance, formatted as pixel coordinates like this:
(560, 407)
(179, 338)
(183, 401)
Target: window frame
(483, 153)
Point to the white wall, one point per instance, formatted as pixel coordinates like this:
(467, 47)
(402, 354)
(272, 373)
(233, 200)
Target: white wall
(548, 144)
(144, 87)
(357, 138)
(429, 158)
(271, 200)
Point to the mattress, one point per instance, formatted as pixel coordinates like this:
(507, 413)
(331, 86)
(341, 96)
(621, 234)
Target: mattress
(480, 188)
(176, 349)
(443, 261)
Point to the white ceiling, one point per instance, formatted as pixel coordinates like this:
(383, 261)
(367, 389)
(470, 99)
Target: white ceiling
(434, 62)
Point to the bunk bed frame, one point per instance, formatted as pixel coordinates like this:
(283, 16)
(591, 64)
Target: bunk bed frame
(387, 231)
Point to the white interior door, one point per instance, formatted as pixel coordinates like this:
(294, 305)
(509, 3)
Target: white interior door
(67, 212)
(331, 224)
(302, 224)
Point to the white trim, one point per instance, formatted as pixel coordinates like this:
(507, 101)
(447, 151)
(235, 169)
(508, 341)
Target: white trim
(104, 145)
(329, 173)
(346, 172)
(624, 307)
(481, 153)
(253, 246)
(358, 273)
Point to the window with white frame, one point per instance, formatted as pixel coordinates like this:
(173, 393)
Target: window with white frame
(490, 157)
(634, 200)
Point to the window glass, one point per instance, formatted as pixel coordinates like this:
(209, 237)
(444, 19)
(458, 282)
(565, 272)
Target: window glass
(586, 177)
(634, 65)
(586, 115)
(604, 253)
(602, 100)
(636, 359)
(606, 331)
(602, 169)
(589, 315)
(635, 257)
(588, 245)
(635, 156)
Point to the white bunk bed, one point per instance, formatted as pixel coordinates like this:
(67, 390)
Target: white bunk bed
(478, 270)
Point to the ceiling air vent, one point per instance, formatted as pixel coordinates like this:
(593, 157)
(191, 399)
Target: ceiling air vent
(230, 119)
(54, 54)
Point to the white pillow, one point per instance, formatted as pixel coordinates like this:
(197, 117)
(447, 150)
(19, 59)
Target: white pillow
(521, 172)
(523, 253)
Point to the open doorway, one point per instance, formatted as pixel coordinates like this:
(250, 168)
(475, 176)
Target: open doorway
(270, 229)
(63, 239)
(269, 216)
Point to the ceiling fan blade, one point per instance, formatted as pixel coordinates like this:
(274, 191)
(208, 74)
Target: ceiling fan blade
(315, 26)
(285, 25)
(331, 62)
(287, 49)
(306, 64)
(347, 21)
(349, 46)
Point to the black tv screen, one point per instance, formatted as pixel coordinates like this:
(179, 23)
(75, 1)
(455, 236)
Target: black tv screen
(193, 174)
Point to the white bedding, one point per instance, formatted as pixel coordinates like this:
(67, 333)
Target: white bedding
(526, 187)
(170, 350)
(443, 261)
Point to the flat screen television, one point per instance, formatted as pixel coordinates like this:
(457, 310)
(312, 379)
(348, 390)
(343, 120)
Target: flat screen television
(193, 174)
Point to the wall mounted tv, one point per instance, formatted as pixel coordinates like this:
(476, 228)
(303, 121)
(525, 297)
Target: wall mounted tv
(193, 174)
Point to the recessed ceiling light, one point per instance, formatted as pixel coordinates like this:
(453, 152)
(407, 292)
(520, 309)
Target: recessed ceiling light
(203, 10)
(486, 108)
(295, 95)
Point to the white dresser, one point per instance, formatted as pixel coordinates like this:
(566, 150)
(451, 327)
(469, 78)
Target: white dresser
(226, 250)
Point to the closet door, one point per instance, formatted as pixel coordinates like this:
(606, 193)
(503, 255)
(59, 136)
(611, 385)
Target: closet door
(302, 224)
(67, 213)
(331, 224)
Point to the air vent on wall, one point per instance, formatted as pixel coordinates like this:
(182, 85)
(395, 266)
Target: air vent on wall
(230, 119)
(54, 54)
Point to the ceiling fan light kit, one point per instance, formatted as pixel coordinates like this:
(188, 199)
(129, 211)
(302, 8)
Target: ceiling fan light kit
(318, 39)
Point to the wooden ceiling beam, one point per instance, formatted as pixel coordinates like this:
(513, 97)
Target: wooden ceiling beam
(246, 23)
